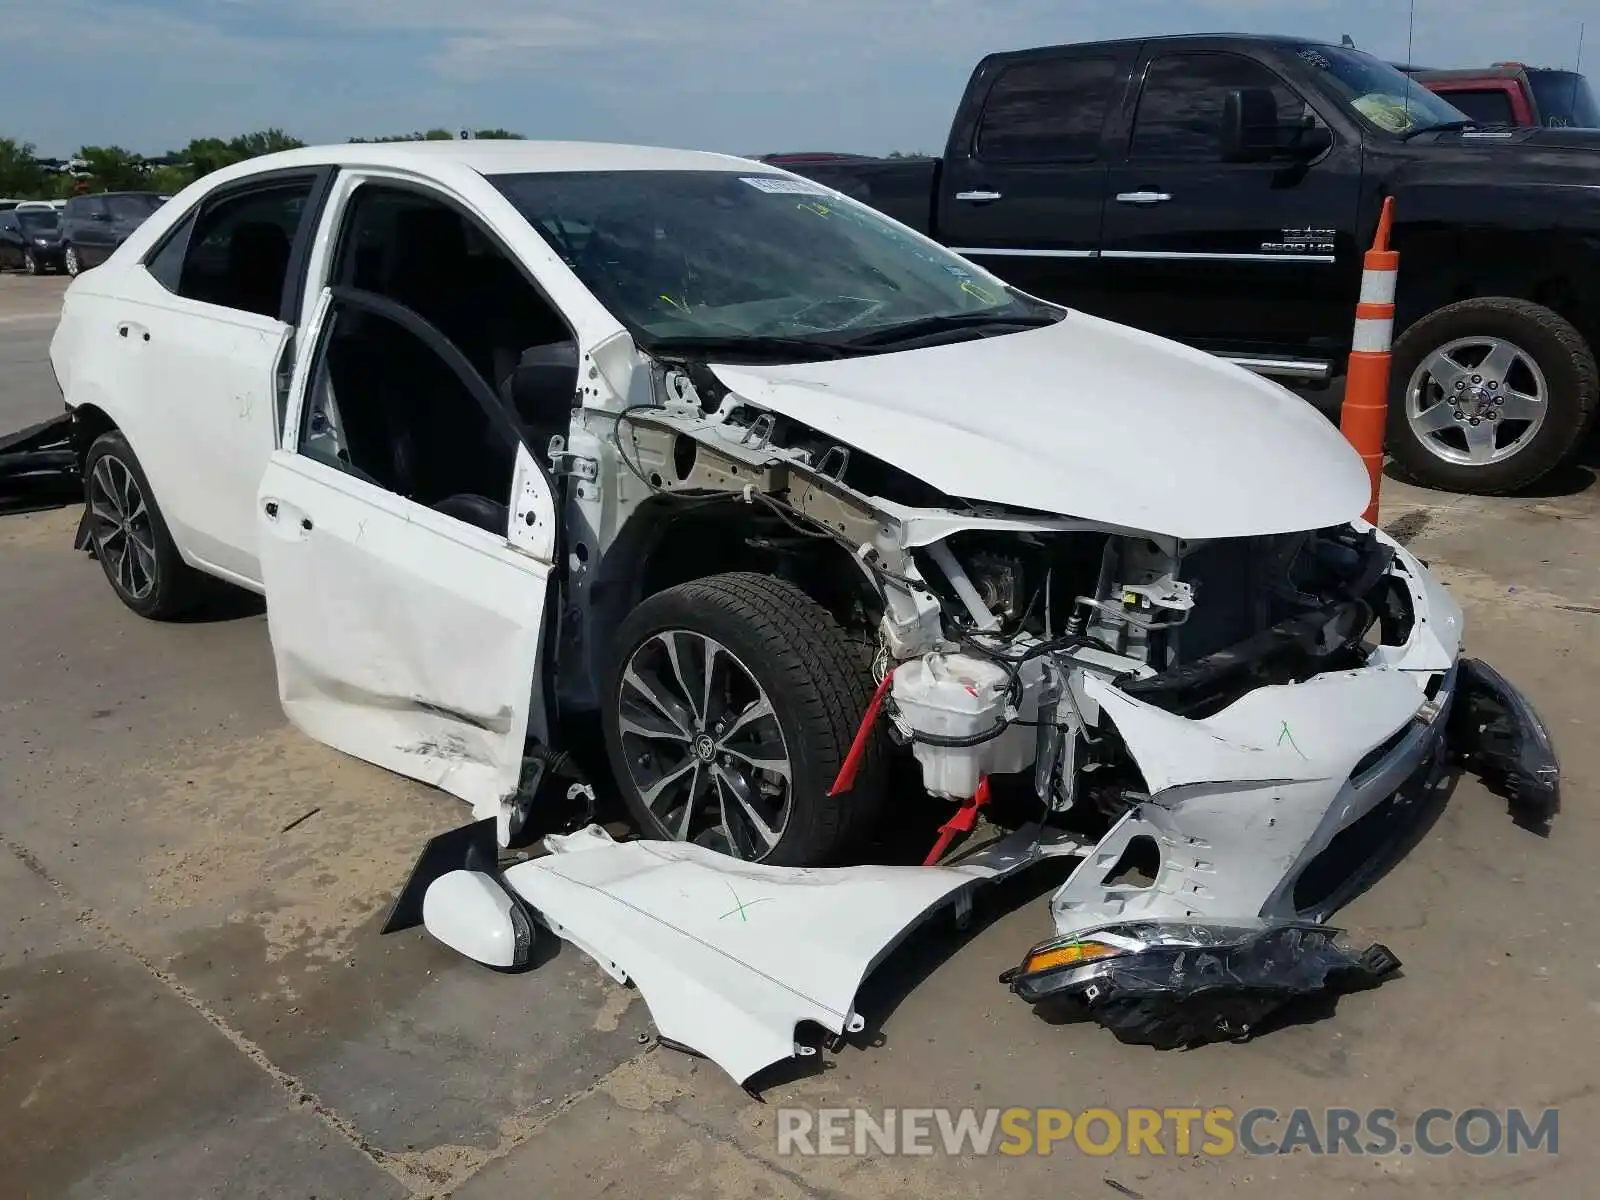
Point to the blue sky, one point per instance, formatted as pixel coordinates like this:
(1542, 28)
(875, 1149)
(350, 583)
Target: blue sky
(866, 75)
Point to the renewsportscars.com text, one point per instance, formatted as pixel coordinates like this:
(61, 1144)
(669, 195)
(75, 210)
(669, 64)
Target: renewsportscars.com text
(1216, 1131)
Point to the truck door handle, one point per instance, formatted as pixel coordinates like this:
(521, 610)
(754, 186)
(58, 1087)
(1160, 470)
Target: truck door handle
(978, 197)
(1143, 197)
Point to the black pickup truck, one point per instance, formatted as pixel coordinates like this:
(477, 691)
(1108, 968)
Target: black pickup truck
(1220, 190)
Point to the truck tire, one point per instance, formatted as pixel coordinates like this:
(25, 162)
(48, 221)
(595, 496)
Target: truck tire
(130, 536)
(785, 691)
(1487, 396)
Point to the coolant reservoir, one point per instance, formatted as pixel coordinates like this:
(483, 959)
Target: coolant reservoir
(961, 696)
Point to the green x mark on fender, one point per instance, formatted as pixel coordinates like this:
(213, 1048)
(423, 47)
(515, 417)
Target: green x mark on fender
(741, 907)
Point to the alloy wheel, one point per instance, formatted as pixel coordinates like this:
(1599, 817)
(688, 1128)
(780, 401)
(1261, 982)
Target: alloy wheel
(120, 524)
(704, 746)
(73, 266)
(1476, 400)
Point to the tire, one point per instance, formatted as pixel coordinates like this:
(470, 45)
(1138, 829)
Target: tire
(1546, 354)
(771, 642)
(30, 264)
(139, 557)
(70, 262)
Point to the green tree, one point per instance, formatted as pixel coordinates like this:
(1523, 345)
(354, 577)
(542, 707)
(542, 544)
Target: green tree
(205, 155)
(113, 169)
(169, 178)
(21, 176)
(265, 141)
(500, 135)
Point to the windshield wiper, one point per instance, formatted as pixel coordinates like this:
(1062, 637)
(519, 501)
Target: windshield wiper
(924, 327)
(744, 347)
(1441, 127)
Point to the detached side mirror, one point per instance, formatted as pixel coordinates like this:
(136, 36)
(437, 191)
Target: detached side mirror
(1249, 125)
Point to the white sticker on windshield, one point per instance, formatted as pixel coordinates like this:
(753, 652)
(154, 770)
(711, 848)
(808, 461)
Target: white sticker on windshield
(781, 186)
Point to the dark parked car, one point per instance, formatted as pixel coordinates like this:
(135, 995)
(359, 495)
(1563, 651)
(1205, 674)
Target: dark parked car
(1512, 94)
(94, 226)
(30, 239)
(1220, 190)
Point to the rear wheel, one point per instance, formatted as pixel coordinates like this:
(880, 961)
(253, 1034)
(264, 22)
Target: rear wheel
(30, 264)
(70, 259)
(730, 706)
(130, 537)
(1489, 396)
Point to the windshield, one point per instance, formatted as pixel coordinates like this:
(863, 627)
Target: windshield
(727, 257)
(1383, 95)
(38, 220)
(1564, 99)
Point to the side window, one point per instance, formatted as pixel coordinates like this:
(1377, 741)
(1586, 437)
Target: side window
(1180, 110)
(1487, 108)
(166, 264)
(1047, 111)
(237, 252)
(436, 346)
(128, 208)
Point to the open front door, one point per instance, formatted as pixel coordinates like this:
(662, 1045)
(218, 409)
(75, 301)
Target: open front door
(406, 626)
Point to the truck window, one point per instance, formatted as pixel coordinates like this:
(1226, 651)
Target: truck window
(1049, 110)
(1489, 107)
(1180, 111)
(1565, 99)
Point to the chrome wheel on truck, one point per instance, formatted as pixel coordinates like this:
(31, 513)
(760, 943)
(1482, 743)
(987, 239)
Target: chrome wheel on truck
(1489, 395)
(1477, 400)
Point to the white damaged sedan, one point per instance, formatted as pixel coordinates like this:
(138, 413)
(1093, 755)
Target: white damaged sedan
(513, 435)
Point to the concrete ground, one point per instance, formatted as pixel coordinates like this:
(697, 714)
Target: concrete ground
(194, 1000)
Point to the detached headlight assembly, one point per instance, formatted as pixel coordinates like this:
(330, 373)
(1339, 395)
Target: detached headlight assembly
(1177, 983)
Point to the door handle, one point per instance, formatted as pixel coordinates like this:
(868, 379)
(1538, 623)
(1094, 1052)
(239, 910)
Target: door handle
(1143, 197)
(128, 329)
(978, 197)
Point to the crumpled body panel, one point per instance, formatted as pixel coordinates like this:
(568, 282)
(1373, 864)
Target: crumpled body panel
(731, 956)
(1241, 801)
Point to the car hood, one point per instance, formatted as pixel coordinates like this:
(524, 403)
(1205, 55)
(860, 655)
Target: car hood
(1087, 419)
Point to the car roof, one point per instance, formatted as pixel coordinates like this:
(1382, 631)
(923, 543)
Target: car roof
(1268, 39)
(498, 157)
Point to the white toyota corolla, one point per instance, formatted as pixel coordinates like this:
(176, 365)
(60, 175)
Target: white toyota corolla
(513, 433)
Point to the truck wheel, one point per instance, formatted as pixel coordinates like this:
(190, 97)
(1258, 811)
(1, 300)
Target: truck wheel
(729, 707)
(1489, 395)
(130, 537)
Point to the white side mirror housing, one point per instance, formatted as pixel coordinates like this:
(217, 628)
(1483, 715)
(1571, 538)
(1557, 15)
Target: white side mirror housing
(472, 914)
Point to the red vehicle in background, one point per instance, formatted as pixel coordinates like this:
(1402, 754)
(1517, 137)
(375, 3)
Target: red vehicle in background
(1511, 93)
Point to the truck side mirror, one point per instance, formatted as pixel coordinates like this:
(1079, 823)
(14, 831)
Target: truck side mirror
(1249, 125)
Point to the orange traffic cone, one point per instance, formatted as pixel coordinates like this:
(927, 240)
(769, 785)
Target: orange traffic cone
(1366, 390)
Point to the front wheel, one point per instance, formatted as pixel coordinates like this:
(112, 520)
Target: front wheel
(30, 264)
(70, 258)
(730, 705)
(1490, 395)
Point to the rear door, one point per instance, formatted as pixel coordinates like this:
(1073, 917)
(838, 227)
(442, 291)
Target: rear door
(1247, 258)
(1024, 179)
(206, 326)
